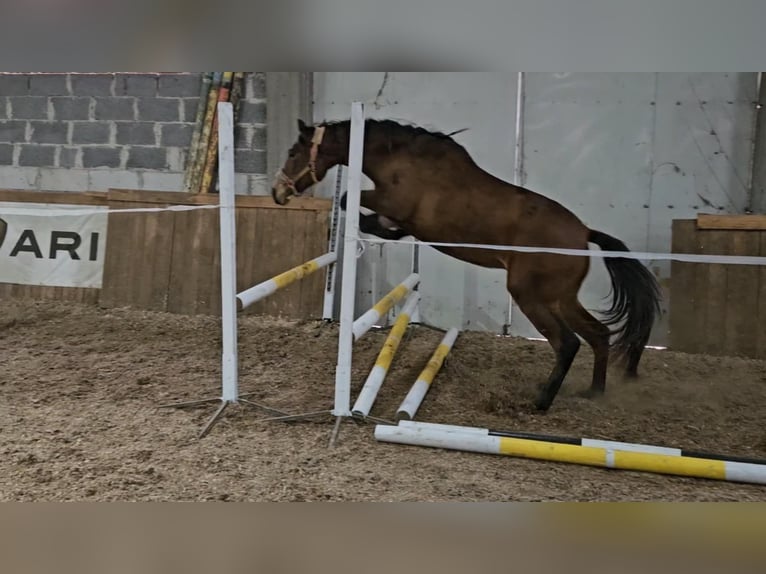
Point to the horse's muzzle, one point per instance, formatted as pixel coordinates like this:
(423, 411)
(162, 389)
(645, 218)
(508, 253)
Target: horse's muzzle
(281, 194)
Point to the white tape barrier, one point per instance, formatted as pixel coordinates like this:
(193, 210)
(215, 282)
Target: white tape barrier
(640, 255)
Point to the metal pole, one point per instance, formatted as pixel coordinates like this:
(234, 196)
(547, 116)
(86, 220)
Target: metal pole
(518, 165)
(328, 309)
(758, 161)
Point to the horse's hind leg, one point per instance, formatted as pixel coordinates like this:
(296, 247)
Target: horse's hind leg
(596, 334)
(545, 317)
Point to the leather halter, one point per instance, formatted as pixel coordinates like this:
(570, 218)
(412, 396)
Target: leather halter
(316, 141)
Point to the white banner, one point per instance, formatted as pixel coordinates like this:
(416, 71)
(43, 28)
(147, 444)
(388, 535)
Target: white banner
(52, 250)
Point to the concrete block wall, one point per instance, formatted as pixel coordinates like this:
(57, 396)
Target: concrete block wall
(90, 132)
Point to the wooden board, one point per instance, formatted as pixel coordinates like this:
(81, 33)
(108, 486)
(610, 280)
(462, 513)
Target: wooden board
(751, 222)
(741, 321)
(682, 317)
(181, 273)
(712, 282)
(761, 310)
(39, 292)
(170, 261)
(137, 260)
(718, 309)
(62, 197)
(175, 198)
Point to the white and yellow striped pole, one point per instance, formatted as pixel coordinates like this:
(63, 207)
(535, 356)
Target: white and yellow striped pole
(378, 373)
(365, 322)
(270, 286)
(417, 393)
(648, 459)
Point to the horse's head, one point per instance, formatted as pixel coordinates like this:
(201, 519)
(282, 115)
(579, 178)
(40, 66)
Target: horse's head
(306, 164)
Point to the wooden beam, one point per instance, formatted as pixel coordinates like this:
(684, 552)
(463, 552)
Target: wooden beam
(177, 198)
(63, 197)
(746, 222)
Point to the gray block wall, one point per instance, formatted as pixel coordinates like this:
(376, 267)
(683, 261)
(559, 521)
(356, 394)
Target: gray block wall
(90, 132)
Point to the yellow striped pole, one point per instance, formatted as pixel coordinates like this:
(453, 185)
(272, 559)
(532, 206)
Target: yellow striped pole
(211, 157)
(418, 391)
(378, 373)
(270, 286)
(207, 126)
(199, 117)
(479, 440)
(365, 322)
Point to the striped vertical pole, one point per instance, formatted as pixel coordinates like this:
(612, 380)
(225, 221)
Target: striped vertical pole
(328, 306)
(378, 373)
(414, 398)
(237, 90)
(212, 149)
(207, 126)
(207, 79)
(365, 322)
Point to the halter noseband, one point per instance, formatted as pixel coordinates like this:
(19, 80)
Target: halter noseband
(316, 141)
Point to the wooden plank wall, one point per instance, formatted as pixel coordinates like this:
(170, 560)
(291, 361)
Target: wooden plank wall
(170, 261)
(78, 295)
(719, 309)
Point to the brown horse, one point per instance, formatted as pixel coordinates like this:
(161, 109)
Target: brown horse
(430, 187)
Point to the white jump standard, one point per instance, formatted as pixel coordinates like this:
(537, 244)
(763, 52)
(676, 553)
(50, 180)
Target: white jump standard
(231, 301)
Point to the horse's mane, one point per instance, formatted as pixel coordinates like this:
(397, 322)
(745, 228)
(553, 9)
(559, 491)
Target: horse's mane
(407, 135)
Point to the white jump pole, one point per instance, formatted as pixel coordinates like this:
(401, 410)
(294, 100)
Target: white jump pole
(625, 456)
(342, 406)
(226, 198)
(378, 373)
(365, 322)
(414, 398)
(271, 286)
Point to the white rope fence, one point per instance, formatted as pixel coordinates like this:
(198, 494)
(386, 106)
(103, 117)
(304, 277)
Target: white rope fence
(59, 211)
(684, 257)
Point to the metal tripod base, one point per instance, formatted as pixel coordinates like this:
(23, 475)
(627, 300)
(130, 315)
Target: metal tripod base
(277, 414)
(221, 408)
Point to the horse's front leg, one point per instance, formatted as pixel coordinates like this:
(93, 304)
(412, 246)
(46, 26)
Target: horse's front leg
(372, 225)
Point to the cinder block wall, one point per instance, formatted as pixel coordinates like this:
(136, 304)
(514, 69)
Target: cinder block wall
(90, 132)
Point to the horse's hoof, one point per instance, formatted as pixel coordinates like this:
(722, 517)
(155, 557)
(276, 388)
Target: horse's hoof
(542, 405)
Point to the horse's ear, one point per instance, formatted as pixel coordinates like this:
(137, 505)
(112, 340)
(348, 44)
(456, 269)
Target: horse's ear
(302, 127)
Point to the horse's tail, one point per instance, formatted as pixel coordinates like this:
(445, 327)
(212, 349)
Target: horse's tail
(635, 300)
